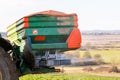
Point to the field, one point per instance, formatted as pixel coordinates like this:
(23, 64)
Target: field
(107, 46)
(108, 56)
(60, 76)
(101, 39)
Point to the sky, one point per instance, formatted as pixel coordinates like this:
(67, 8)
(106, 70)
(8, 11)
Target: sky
(92, 14)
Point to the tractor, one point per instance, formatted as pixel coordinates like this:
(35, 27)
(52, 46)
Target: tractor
(36, 43)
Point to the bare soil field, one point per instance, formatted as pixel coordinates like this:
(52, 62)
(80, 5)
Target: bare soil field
(101, 41)
(102, 70)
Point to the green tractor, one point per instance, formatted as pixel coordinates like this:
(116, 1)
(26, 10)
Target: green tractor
(36, 43)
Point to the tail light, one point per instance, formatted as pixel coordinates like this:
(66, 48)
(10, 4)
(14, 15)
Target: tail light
(39, 38)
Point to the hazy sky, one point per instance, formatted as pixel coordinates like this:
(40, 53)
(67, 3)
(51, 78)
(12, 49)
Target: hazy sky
(92, 14)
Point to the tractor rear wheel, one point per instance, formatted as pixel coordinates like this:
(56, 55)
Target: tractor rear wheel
(7, 67)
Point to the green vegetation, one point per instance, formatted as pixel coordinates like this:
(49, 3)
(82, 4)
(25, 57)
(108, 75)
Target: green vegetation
(59, 76)
(109, 56)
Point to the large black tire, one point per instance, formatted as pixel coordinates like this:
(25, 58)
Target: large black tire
(7, 67)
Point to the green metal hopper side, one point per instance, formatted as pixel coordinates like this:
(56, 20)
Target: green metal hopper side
(54, 38)
(45, 31)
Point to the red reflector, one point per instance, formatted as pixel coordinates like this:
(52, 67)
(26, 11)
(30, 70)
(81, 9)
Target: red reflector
(39, 38)
(35, 31)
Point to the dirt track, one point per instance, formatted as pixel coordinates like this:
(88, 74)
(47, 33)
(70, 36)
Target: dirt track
(80, 70)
